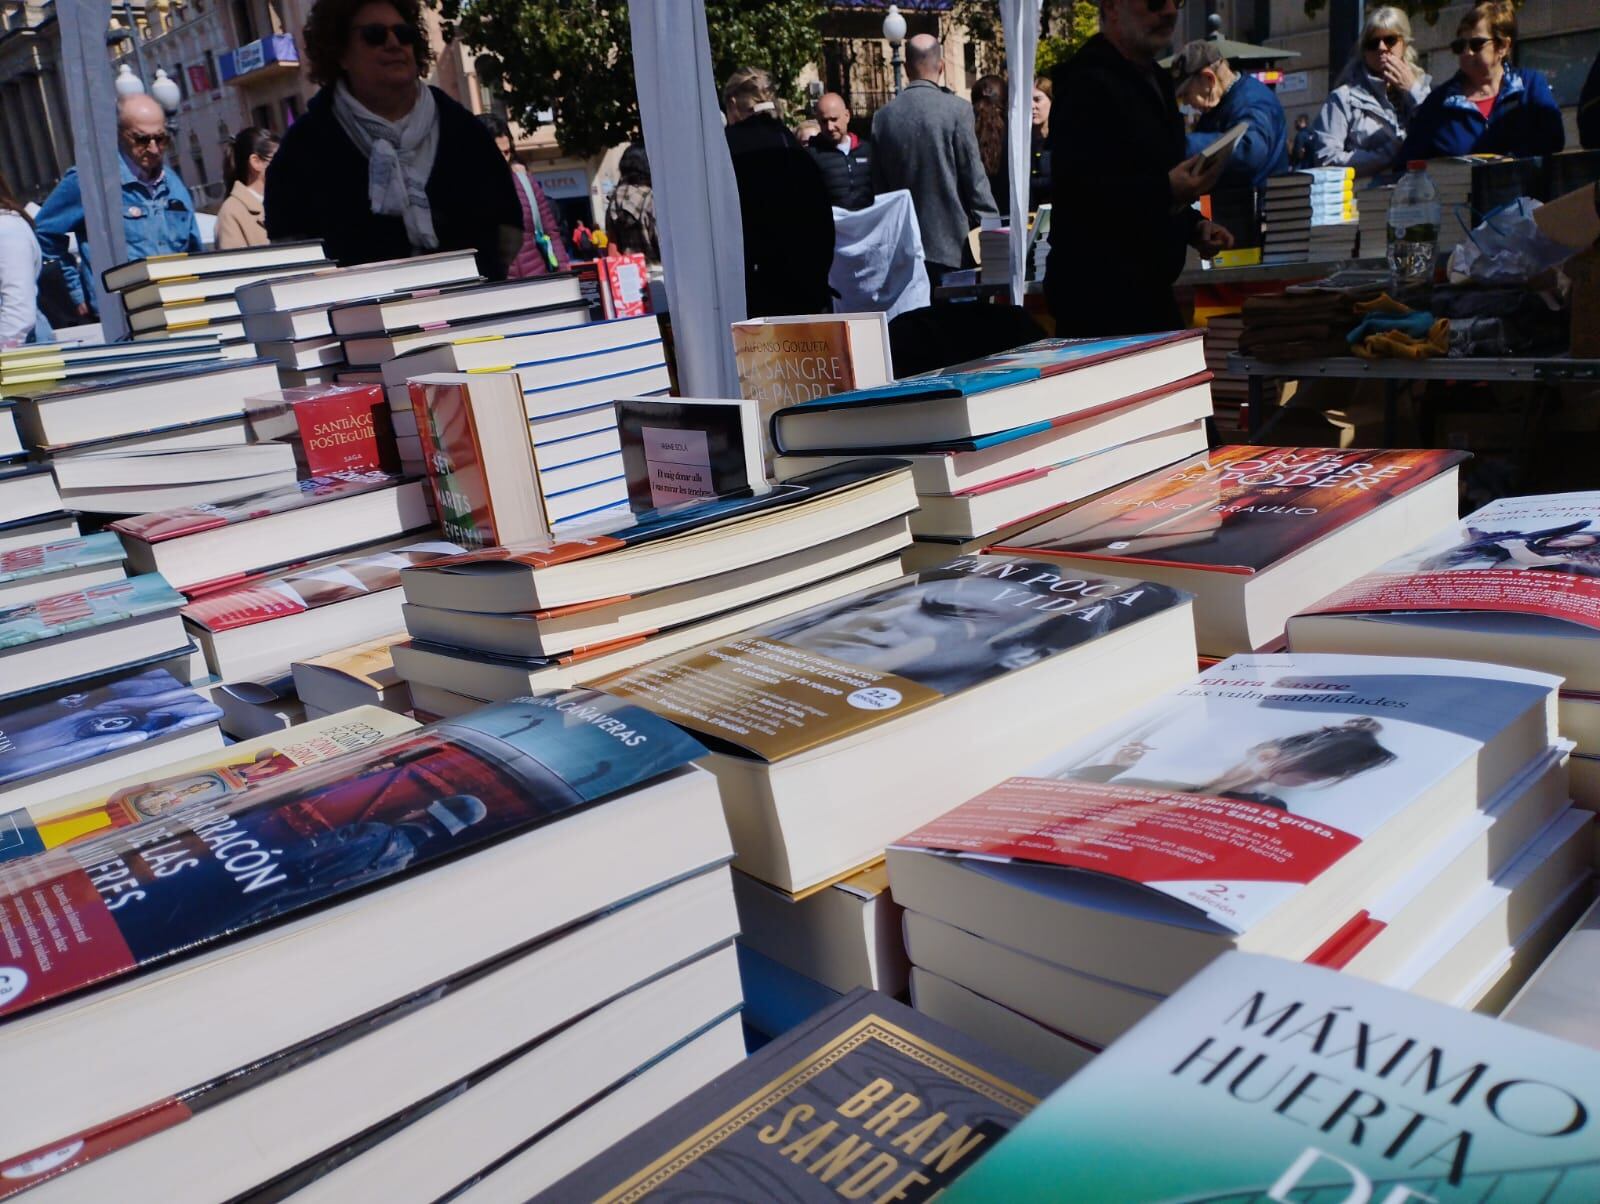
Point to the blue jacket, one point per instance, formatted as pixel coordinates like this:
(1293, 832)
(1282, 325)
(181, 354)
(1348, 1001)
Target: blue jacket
(157, 219)
(1264, 149)
(1525, 120)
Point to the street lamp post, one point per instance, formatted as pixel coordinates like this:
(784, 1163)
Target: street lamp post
(894, 31)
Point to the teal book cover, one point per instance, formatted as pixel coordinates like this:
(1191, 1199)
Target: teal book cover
(35, 560)
(83, 609)
(1264, 1080)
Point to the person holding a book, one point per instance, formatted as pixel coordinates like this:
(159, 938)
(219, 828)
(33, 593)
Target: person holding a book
(1488, 107)
(241, 220)
(157, 210)
(1362, 124)
(382, 166)
(1124, 184)
(1204, 80)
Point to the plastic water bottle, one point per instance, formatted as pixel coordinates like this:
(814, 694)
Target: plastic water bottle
(1413, 229)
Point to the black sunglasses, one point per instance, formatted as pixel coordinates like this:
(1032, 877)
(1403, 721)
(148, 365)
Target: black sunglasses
(377, 34)
(1459, 46)
(152, 139)
(1387, 40)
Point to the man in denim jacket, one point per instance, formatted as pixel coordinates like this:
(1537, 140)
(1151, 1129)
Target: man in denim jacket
(157, 211)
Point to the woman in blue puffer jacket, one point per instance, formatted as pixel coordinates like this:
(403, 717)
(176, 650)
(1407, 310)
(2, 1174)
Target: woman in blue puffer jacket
(1488, 106)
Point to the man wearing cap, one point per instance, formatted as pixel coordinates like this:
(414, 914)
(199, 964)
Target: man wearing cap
(1205, 81)
(1124, 183)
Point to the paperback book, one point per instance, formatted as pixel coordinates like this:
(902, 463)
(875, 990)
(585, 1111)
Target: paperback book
(39, 570)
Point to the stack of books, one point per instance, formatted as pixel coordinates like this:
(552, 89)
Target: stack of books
(36, 367)
(1230, 391)
(1335, 221)
(1286, 208)
(1255, 534)
(128, 442)
(393, 1027)
(174, 296)
(1401, 819)
(1453, 180)
(844, 725)
(1515, 583)
(287, 319)
(994, 252)
(1372, 221)
(1207, 1100)
(495, 623)
(1559, 996)
(1001, 441)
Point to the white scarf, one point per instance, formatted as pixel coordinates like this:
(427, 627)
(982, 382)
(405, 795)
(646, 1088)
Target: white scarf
(399, 159)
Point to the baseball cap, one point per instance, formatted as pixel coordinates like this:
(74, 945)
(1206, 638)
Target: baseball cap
(1193, 59)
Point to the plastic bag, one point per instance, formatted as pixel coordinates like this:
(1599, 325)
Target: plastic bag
(1506, 248)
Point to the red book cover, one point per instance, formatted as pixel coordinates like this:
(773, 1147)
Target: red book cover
(1234, 509)
(627, 285)
(348, 430)
(456, 474)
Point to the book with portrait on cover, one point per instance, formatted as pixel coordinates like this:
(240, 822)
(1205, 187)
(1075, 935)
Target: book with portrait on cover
(1261, 806)
(867, 1100)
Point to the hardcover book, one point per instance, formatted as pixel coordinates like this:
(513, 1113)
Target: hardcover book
(685, 449)
(207, 778)
(40, 737)
(30, 572)
(83, 610)
(190, 520)
(332, 428)
(1227, 524)
(1271, 1080)
(184, 264)
(1258, 807)
(1011, 389)
(1517, 582)
(869, 1100)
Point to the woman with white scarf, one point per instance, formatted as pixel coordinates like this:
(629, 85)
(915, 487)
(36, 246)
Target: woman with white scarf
(382, 166)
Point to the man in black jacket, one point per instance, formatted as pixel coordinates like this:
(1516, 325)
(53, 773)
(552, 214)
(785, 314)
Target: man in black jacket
(845, 160)
(1123, 186)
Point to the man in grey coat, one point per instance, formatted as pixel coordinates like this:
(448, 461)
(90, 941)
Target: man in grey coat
(926, 143)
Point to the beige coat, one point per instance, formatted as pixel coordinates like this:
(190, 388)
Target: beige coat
(240, 221)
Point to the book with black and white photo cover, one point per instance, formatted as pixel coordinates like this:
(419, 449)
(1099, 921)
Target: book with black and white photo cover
(843, 726)
(869, 1099)
(686, 449)
(1255, 533)
(1517, 583)
(1265, 1079)
(1258, 807)
(1038, 382)
(248, 902)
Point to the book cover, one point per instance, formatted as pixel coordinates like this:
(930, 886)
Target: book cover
(867, 1100)
(208, 778)
(333, 429)
(1229, 795)
(84, 609)
(1033, 361)
(1235, 509)
(457, 474)
(1268, 1080)
(296, 593)
(1536, 556)
(206, 871)
(70, 728)
(188, 520)
(38, 560)
(120, 377)
(785, 364)
(831, 671)
(676, 520)
(676, 451)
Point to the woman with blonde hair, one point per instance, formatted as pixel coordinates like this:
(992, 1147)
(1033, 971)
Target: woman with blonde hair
(1363, 122)
(1488, 107)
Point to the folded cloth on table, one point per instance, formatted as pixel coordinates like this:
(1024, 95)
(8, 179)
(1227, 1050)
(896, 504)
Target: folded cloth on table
(1415, 336)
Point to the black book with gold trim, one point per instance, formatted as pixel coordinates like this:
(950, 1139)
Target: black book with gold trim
(868, 1100)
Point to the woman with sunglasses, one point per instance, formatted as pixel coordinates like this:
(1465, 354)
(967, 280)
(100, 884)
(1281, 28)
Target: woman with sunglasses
(1488, 106)
(1363, 122)
(382, 166)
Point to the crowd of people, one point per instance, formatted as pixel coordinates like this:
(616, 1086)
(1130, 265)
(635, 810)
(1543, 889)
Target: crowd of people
(382, 165)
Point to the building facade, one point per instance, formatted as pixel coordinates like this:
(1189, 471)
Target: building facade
(35, 139)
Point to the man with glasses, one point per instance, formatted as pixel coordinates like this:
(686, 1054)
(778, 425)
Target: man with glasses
(157, 210)
(1205, 81)
(1124, 183)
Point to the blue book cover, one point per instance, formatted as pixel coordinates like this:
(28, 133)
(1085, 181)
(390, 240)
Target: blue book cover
(70, 728)
(36, 560)
(84, 609)
(213, 868)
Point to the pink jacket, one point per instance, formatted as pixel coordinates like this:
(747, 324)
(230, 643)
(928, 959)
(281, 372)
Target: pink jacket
(530, 259)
